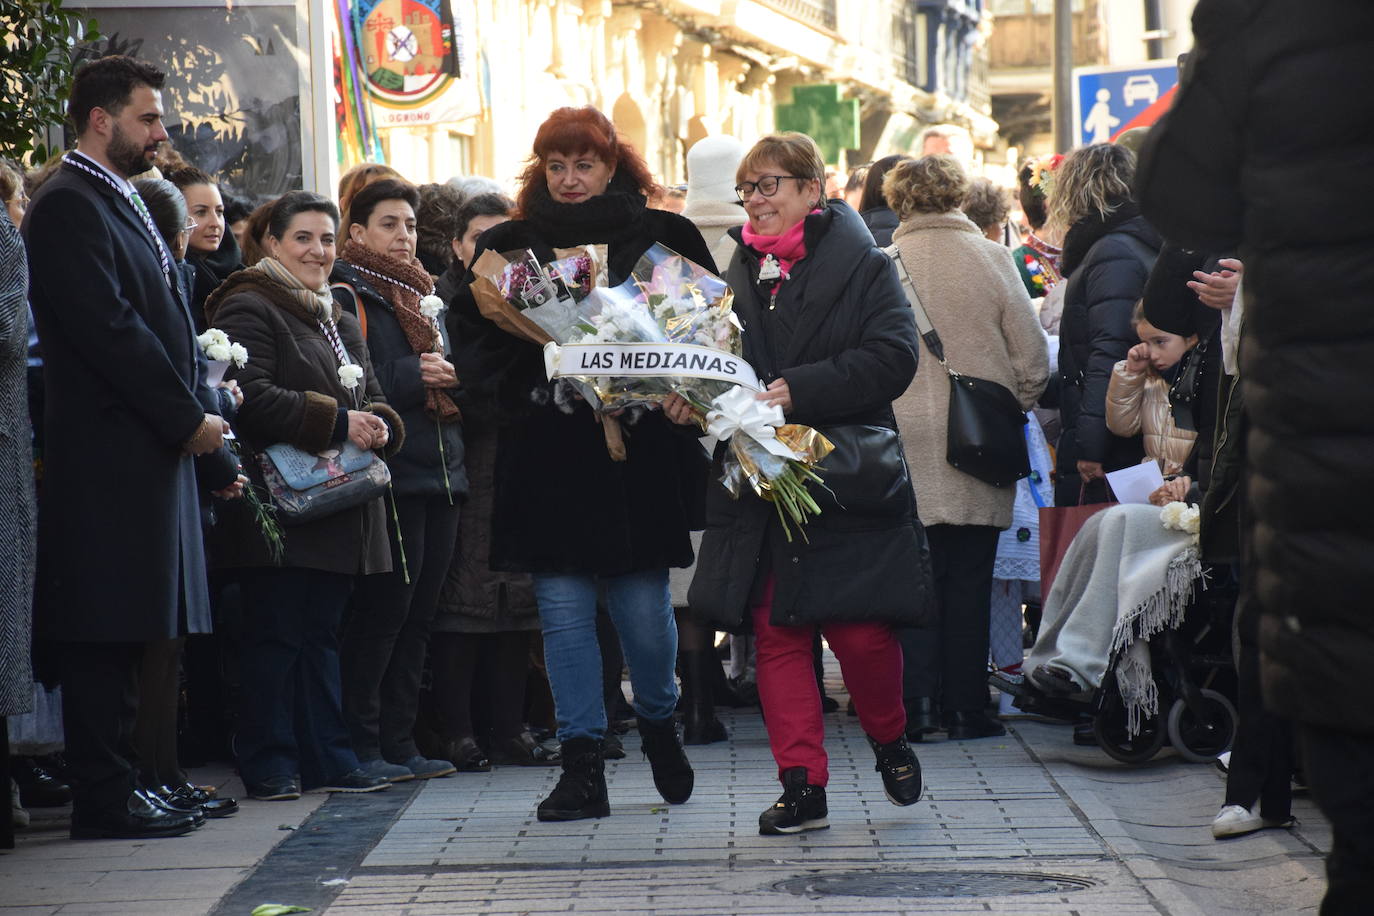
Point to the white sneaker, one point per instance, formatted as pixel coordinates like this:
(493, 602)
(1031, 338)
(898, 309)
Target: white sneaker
(1233, 820)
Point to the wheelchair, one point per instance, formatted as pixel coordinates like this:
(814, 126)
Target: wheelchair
(1194, 675)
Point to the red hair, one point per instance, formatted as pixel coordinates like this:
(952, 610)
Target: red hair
(572, 131)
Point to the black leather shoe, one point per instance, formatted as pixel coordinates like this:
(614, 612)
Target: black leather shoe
(176, 806)
(1083, 734)
(213, 806)
(140, 820)
(275, 788)
(612, 748)
(39, 787)
(965, 726)
(523, 751)
(920, 718)
(467, 755)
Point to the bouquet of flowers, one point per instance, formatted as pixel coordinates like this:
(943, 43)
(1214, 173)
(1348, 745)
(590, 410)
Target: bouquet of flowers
(533, 300)
(221, 351)
(670, 329)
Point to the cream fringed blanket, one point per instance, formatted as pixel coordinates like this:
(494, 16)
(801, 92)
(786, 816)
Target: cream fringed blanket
(1124, 578)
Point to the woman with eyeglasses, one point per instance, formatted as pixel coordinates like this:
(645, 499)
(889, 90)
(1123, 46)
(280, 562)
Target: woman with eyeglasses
(828, 329)
(583, 525)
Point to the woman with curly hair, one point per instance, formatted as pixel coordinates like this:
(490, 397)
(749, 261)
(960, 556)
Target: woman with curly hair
(1109, 249)
(564, 511)
(969, 287)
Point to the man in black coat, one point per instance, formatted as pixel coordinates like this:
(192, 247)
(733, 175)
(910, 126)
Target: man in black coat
(1267, 149)
(120, 556)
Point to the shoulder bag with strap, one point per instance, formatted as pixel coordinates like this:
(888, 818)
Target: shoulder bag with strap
(986, 436)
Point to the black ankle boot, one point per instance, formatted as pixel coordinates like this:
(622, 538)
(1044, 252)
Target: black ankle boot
(801, 807)
(699, 722)
(581, 790)
(921, 719)
(673, 776)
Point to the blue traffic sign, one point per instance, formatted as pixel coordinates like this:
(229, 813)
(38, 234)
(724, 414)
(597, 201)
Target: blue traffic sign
(1107, 101)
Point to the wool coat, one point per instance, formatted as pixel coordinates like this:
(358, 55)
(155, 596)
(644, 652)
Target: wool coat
(292, 394)
(1105, 265)
(978, 305)
(561, 505)
(17, 511)
(1291, 196)
(843, 337)
(1138, 405)
(418, 468)
(120, 552)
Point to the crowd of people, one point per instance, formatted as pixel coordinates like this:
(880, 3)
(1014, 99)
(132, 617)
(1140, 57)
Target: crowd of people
(471, 568)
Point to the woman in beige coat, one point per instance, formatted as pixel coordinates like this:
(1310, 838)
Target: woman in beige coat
(976, 301)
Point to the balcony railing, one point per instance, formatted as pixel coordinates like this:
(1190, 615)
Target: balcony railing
(818, 13)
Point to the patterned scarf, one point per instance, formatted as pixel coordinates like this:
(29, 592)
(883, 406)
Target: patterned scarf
(403, 284)
(318, 302)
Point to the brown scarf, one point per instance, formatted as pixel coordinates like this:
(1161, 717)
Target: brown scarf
(403, 284)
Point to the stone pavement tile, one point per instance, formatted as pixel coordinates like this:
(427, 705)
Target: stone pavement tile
(42, 909)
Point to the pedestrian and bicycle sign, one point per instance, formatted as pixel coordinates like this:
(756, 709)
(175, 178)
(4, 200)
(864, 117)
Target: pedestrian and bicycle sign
(1108, 101)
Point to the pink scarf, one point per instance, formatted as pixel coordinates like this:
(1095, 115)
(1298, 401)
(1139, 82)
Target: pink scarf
(787, 249)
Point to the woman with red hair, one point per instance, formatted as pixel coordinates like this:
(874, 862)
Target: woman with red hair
(583, 525)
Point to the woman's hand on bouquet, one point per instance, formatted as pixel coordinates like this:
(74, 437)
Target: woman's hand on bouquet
(366, 430)
(676, 408)
(1173, 491)
(233, 491)
(437, 372)
(234, 390)
(778, 393)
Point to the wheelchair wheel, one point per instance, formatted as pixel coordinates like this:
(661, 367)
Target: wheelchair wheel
(1200, 736)
(1109, 727)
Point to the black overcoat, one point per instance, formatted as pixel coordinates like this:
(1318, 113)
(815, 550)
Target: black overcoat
(561, 504)
(851, 351)
(1267, 152)
(120, 552)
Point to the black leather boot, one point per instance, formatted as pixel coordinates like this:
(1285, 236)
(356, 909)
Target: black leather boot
(581, 790)
(699, 722)
(673, 776)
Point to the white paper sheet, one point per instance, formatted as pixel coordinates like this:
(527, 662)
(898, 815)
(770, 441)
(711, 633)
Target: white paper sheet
(1135, 484)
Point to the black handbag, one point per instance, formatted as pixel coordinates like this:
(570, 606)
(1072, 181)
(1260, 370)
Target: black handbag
(986, 429)
(866, 474)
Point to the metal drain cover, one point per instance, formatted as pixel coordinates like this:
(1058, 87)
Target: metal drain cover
(931, 884)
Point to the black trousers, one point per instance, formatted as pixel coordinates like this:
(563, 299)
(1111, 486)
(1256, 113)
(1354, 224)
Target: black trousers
(949, 660)
(155, 729)
(1261, 767)
(1340, 772)
(290, 720)
(99, 708)
(387, 634)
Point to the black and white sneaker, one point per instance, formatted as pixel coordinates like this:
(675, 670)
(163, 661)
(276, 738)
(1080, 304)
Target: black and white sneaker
(802, 807)
(901, 771)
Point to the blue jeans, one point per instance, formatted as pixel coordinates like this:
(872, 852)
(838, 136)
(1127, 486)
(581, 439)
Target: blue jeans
(643, 616)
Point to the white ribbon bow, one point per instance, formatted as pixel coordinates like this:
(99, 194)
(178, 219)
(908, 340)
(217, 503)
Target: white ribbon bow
(737, 410)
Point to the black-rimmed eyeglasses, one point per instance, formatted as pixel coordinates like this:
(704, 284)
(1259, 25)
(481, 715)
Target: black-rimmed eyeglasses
(767, 185)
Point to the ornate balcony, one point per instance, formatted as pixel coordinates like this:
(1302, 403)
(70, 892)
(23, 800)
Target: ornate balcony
(817, 13)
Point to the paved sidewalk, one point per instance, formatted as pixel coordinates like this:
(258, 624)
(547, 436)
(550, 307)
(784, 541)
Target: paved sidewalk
(1023, 824)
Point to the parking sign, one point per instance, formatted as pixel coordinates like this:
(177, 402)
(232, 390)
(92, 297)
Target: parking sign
(1107, 101)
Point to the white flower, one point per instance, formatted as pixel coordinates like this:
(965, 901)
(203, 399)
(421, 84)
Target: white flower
(1171, 516)
(350, 375)
(218, 351)
(432, 306)
(1192, 520)
(239, 354)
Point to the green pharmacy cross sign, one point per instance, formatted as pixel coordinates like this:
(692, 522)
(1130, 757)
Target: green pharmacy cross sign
(820, 112)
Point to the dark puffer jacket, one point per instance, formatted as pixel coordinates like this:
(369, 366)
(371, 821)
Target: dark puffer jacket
(843, 336)
(1106, 264)
(1293, 193)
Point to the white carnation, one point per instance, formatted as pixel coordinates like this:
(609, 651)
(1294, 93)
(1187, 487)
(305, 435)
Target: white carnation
(239, 354)
(1171, 516)
(218, 351)
(1192, 520)
(350, 375)
(432, 306)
